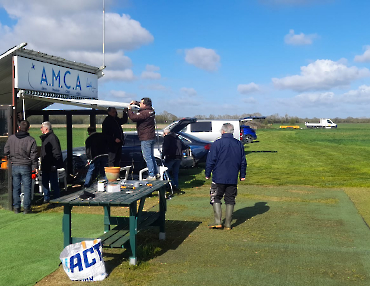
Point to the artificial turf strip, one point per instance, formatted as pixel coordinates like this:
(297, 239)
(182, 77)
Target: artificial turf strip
(31, 244)
(281, 236)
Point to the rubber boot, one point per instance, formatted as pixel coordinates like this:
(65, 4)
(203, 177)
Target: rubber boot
(217, 211)
(228, 216)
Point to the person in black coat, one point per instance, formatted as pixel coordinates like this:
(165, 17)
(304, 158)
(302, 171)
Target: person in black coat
(112, 131)
(96, 153)
(172, 149)
(51, 161)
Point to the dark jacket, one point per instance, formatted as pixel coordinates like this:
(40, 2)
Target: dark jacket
(226, 160)
(22, 149)
(112, 129)
(51, 154)
(95, 145)
(145, 122)
(172, 147)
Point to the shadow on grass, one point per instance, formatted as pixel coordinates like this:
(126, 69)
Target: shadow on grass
(188, 177)
(149, 246)
(242, 215)
(248, 152)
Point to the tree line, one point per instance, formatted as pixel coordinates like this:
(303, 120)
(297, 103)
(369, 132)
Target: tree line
(166, 117)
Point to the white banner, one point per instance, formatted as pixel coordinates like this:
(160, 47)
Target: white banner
(40, 76)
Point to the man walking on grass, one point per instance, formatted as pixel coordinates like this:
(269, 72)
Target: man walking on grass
(225, 160)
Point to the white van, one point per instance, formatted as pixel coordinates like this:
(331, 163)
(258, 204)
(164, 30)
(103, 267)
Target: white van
(210, 130)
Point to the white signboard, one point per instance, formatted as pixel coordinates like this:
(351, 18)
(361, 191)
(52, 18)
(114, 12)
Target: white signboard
(40, 76)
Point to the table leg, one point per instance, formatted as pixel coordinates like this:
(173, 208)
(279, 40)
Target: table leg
(67, 231)
(133, 231)
(162, 213)
(106, 219)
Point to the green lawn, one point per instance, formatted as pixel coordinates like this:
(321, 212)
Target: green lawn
(299, 220)
(316, 157)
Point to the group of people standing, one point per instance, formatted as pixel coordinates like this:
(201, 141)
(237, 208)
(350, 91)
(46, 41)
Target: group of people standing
(225, 162)
(22, 152)
(111, 140)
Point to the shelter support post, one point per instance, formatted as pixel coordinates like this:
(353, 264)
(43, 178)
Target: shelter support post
(93, 118)
(69, 144)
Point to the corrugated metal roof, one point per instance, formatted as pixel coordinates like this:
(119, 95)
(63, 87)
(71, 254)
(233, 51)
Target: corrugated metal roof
(37, 55)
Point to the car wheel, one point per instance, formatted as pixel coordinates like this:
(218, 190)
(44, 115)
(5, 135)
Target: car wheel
(248, 139)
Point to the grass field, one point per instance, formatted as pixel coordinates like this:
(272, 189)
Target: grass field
(315, 157)
(301, 218)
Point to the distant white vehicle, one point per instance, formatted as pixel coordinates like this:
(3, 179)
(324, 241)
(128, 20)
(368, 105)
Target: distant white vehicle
(324, 123)
(210, 130)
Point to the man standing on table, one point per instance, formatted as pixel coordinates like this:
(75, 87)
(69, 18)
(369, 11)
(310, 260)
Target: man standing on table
(112, 131)
(225, 160)
(145, 125)
(51, 161)
(22, 151)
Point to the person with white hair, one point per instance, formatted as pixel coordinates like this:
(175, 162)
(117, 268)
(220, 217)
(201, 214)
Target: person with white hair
(226, 161)
(51, 161)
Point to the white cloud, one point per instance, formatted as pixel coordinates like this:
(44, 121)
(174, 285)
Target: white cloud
(150, 73)
(359, 96)
(120, 75)
(125, 33)
(206, 59)
(113, 61)
(299, 39)
(55, 26)
(365, 57)
(189, 91)
(315, 99)
(119, 93)
(248, 88)
(321, 75)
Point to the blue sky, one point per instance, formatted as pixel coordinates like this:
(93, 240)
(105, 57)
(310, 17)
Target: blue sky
(303, 58)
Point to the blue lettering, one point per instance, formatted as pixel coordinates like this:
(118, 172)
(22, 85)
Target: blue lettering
(78, 263)
(66, 85)
(87, 279)
(78, 82)
(56, 77)
(86, 259)
(97, 248)
(43, 76)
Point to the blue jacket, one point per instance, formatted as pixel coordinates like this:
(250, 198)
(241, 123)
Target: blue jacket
(226, 160)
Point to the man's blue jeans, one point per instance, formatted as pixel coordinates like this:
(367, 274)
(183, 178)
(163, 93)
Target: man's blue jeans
(96, 166)
(173, 168)
(21, 176)
(147, 148)
(51, 177)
